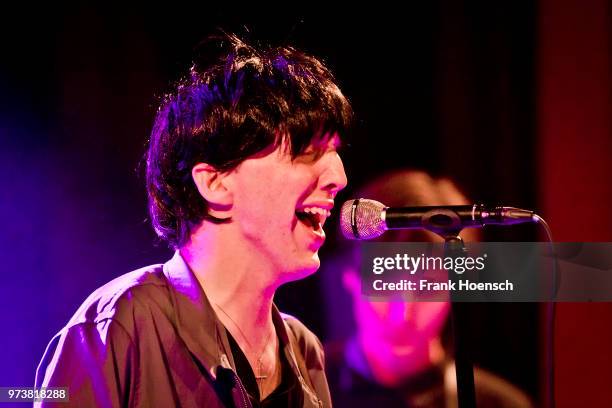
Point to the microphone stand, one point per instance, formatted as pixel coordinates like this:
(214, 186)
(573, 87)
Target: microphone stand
(466, 395)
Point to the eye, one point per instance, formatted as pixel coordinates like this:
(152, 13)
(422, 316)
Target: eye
(317, 150)
(310, 155)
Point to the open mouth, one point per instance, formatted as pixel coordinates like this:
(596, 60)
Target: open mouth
(313, 217)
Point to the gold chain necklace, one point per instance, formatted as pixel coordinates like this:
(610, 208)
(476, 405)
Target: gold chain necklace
(258, 376)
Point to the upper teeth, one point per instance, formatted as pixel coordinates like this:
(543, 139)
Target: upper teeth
(317, 210)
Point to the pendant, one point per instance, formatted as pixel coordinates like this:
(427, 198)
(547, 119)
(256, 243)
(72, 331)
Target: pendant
(259, 365)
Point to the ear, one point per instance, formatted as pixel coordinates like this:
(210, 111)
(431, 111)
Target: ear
(211, 184)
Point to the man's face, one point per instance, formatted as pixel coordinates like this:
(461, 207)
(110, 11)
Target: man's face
(280, 205)
(401, 324)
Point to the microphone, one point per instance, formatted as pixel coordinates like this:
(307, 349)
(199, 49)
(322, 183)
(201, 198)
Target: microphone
(366, 219)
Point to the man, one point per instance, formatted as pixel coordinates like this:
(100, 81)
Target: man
(242, 171)
(396, 357)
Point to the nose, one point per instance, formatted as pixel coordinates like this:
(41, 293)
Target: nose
(333, 178)
(401, 311)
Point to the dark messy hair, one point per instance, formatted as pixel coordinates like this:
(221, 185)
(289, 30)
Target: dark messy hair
(237, 100)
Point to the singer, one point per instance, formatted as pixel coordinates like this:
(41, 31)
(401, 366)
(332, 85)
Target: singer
(242, 171)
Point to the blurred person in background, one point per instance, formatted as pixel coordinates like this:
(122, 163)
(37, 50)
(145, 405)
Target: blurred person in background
(397, 356)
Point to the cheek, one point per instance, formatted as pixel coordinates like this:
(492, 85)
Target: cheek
(431, 317)
(372, 315)
(249, 202)
(402, 321)
(267, 201)
(266, 192)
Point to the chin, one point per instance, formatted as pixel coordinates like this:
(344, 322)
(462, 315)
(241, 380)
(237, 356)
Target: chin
(304, 270)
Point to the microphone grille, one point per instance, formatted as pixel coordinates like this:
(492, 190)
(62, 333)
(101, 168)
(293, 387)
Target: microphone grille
(362, 219)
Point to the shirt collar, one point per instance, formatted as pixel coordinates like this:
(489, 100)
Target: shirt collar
(197, 324)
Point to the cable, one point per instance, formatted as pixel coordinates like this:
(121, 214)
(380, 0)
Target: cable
(550, 317)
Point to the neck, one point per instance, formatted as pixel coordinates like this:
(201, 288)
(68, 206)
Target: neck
(242, 288)
(391, 364)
